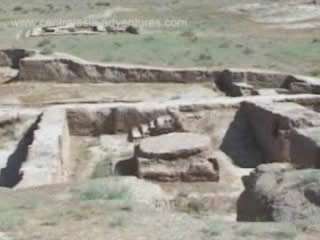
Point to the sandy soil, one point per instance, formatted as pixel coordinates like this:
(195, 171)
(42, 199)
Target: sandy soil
(50, 93)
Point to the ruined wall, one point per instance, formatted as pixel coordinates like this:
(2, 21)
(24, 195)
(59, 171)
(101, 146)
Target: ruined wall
(44, 160)
(75, 70)
(272, 124)
(65, 165)
(15, 55)
(305, 147)
(254, 77)
(109, 120)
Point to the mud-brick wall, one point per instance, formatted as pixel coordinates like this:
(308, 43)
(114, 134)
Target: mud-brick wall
(73, 70)
(65, 165)
(305, 147)
(273, 124)
(109, 119)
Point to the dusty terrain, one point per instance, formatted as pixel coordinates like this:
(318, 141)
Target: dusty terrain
(208, 130)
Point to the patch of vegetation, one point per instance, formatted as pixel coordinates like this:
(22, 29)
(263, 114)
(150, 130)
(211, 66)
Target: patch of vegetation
(190, 35)
(248, 51)
(28, 204)
(97, 191)
(316, 40)
(132, 30)
(43, 43)
(283, 235)
(204, 57)
(127, 208)
(47, 46)
(117, 222)
(148, 39)
(224, 45)
(210, 233)
(55, 217)
(195, 206)
(47, 51)
(117, 44)
(17, 9)
(107, 59)
(10, 220)
(61, 213)
(103, 4)
(50, 6)
(79, 214)
(315, 73)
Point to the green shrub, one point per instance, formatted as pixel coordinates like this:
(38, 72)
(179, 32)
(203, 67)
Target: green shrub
(190, 35)
(315, 73)
(195, 206)
(117, 222)
(17, 9)
(248, 51)
(46, 51)
(204, 57)
(44, 42)
(132, 30)
(103, 4)
(98, 191)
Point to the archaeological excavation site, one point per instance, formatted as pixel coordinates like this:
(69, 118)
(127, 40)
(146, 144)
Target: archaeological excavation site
(159, 119)
(242, 145)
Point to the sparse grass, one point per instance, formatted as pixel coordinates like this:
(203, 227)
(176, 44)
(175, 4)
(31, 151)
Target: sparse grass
(103, 4)
(315, 73)
(117, 222)
(96, 191)
(10, 220)
(44, 42)
(190, 36)
(209, 233)
(132, 30)
(56, 216)
(207, 28)
(107, 59)
(17, 8)
(204, 57)
(47, 51)
(284, 235)
(29, 204)
(148, 39)
(224, 45)
(127, 207)
(248, 51)
(195, 206)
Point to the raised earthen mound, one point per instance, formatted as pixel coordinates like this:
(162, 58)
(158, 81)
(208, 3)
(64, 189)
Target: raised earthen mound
(278, 192)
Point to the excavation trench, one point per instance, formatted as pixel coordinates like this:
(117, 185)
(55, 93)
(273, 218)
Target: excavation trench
(106, 141)
(11, 175)
(127, 141)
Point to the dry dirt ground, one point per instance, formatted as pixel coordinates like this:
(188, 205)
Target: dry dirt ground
(111, 209)
(50, 93)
